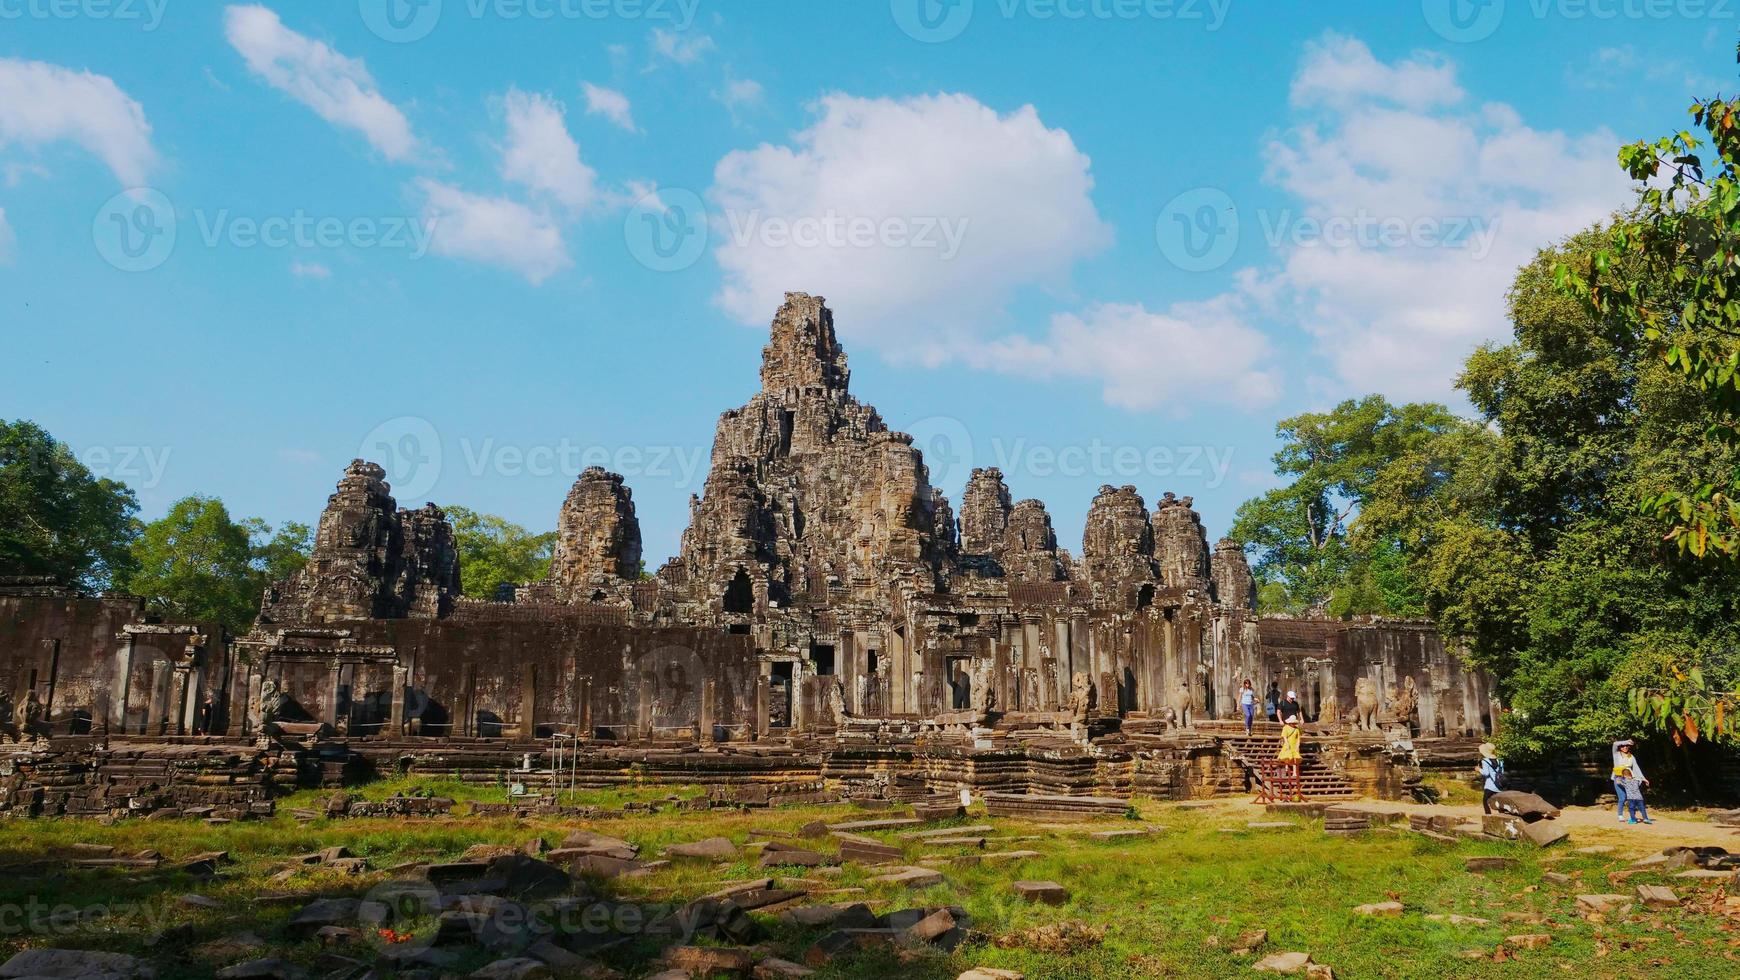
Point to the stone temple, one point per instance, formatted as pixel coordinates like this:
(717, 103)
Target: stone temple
(831, 626)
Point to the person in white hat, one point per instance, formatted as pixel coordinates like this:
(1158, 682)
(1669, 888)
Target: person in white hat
(1289, 706)
(1491, 775)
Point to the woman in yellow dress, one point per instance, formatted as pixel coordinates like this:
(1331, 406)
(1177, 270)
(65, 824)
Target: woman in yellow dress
(1289, 756)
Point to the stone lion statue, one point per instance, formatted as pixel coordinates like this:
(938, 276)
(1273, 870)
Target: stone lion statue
(1365, 697)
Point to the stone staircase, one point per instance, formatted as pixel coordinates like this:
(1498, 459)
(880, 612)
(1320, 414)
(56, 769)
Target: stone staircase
(1316, 781)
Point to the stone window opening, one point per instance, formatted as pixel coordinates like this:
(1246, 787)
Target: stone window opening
(740, 594)
(822, 656)
(1145, 598)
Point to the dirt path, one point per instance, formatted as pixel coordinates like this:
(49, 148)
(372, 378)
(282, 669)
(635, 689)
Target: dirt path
(1599, 825)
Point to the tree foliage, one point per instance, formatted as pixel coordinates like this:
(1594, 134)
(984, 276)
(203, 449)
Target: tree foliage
(494, 552)
(196, 563)
(56, 518)
(1300, 532)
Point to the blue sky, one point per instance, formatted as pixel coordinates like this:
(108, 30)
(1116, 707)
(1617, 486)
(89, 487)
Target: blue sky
(489, 242)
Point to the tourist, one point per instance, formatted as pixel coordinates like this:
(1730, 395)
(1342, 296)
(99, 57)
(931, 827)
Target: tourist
(1289, 757)
(1628, 782)
(1248, 701)
(1288, 707)
(1271, 699)
(1491, 774)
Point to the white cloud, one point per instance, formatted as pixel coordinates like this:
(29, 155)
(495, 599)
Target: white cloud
(964, 205)
(310, 270)
(610, 104)
(1399, 315)
(540, 154)
(739, 93)
(1338, 70)
(679, 48)
(8, 241)
(338, 89)
(492, 230)
(1136, 354)
(42, 104)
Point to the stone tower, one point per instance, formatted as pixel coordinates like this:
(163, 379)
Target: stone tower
(1180, 544)
(597, 536)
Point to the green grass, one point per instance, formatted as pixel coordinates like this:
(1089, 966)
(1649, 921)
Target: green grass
(1170, 904)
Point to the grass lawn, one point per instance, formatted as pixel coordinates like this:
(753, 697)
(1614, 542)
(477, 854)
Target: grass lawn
(1170, 904)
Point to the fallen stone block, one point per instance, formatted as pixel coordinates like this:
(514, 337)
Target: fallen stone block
(1283, 963)
(1533, 940)
(1489, 863)
(704, 961)
(1544, 833)
(76, 964)
(1383, 909)
(1048, 892)
(910, 878)
(710, 849)
(1604, 903)
(1658, 896)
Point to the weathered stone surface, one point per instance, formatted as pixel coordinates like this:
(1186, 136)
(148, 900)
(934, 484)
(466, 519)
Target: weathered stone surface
(75, 964)
(1379, 909)
(1533, 940)
(1283, 963)
(1230, 570)
(1489, 863)
(911, 878)
(597, 538)
(1603, 903)
(370, 559)
(1658, 896)
(1048, 892)
(710, 849)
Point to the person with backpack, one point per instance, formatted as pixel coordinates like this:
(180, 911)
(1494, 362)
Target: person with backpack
(1492, 776)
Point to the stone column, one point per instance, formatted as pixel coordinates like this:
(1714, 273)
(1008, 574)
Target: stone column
(333, 680)
(528, 703)
(709, 709)
(396, 720)
(762, 685)
(158, 705)
(583, 699)
(643, 714)
(119, 685)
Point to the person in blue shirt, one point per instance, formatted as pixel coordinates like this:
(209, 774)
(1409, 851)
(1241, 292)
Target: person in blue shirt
(1248, 701)
(1491, 773)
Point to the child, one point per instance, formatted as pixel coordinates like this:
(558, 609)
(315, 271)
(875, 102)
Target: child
(1632, 784)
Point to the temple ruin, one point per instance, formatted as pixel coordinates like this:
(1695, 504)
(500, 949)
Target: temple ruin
(828, 627)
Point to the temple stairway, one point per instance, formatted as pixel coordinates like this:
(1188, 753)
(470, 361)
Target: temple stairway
(1316, 780)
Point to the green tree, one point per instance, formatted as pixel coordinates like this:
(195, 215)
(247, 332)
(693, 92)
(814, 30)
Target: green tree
(195, 563)
(56, 518)
(494, 552)
(1301, 532)
(279, 554)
